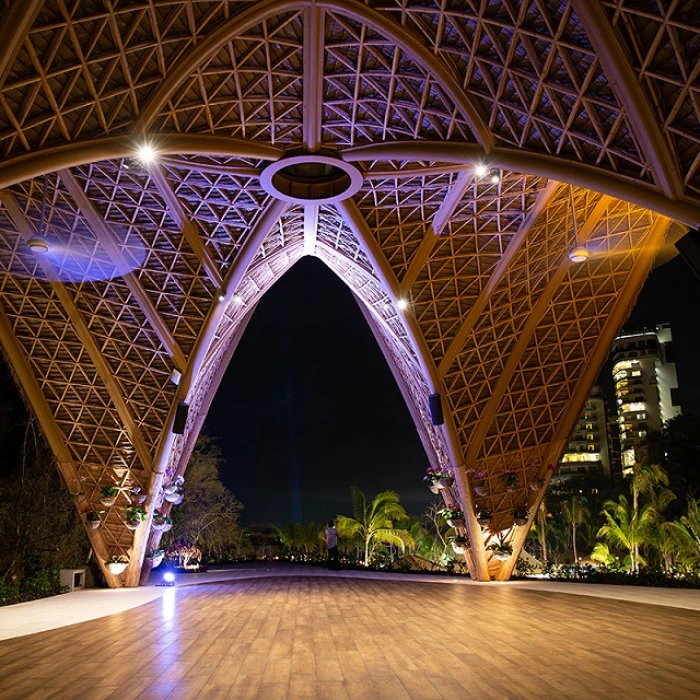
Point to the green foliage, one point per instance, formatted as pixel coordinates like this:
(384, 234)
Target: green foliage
(374, 524)
(208, 517)
(40, 528)
(20, 589)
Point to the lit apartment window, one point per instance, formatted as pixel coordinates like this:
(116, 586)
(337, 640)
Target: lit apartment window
(637, 373)
(590, 436)
(642, 433)
(589, 426)
(641, 416)
(591, 448)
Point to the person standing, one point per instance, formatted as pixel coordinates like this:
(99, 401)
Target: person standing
(332, 546)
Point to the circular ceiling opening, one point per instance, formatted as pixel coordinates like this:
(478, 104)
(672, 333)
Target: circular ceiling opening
(311, 178)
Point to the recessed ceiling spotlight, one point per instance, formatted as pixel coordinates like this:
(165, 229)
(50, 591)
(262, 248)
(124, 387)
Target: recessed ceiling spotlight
(579, 254)
(38, 245)
(494, 176)
(237, 299)
(480, 170)
(402, 304)
(147, 154)
(222, 295)
(175, 376)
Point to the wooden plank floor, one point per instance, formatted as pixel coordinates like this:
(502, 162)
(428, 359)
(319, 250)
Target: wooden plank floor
(335, 638)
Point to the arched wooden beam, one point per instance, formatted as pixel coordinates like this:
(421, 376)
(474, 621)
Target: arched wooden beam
(66, 466)
(536, 314)
(639, 112)
(184, 220)
(618, 314)
(543, 200)
(49, 160)
(314, 39)
(269, 217)
(685, 210)
(353, 217)
(16, 23)
(154, 535)
(268, 8)
(441, 219)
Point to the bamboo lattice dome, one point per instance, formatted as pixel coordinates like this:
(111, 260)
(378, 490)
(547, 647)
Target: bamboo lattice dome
(585, 114)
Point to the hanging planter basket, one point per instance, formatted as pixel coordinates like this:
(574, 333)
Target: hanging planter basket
(157, 561)
(169, 488)
(94, 524)
(455, 522)
(108, 500)
(460, 546)
(434, 487)
(480, 490)
(167, 526)
(502, 554)
(158, 525)
(117, 567)
(133, 523)
(483, 518)
(446, 483)
(175, 498)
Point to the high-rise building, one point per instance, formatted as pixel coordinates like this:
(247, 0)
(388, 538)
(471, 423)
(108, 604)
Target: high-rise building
(587, 453)
(646, 386)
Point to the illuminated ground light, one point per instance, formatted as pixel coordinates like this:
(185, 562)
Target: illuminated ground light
(168, 578)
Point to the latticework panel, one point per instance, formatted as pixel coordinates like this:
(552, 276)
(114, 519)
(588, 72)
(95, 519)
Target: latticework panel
(120, 278)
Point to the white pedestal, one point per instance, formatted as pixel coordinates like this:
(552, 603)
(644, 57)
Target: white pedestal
(74, 579)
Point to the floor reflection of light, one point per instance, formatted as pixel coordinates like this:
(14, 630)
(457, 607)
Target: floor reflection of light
(169, 604)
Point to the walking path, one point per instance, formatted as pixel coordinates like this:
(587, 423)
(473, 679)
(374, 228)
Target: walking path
(81, 606)
(284, 633)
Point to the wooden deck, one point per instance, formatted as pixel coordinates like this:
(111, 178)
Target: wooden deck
(331, 638)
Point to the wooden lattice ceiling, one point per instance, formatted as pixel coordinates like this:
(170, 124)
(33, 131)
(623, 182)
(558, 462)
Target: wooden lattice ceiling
(589, 112)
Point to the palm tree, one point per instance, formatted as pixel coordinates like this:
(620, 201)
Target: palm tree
(575, 514)
(374, 523)
(626, 528)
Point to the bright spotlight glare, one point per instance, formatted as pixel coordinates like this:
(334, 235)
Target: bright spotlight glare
(494, 176)
(147, 154)
(169, 577)
(237, 299)
(402, 304)
(480, 170)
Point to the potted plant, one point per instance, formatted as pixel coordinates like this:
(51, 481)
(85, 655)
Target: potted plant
(501, 551)
(480, 484)
(109, 494)
(137, 495)
(439, 478)
(134, 516)
(460, 545)
(537, 484)
(510, 479)
(117, 565)
(172, 481)
(520, 516)
(77, 491)
(175, 497)
(161, 521)
(453, 516)
(483, 517)
(92, 517)
(155, 557)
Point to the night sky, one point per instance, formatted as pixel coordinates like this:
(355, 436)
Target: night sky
(309, 406)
